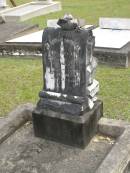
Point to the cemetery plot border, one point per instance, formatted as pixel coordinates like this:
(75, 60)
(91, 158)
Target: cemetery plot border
(117, 160)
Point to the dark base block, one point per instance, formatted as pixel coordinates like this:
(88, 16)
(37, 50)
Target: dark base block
(70, 108)
(67, 129)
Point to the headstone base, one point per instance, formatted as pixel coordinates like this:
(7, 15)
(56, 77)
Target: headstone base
(65, 128)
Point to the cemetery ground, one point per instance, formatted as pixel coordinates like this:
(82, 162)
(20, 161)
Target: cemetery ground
(20, 82)
(20, 78)
(86, 9)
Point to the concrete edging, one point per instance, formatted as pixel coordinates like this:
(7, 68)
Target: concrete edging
(15, 120)
(118, 158)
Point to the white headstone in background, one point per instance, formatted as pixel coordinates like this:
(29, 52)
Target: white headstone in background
(114, 23)
(52, 23)
(3, 3)
(109, 38)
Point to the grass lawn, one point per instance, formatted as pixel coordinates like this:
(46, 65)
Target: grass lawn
(90, 10)
(21, 80)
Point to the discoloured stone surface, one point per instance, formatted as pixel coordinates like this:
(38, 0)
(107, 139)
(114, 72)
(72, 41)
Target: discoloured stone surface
(35, 37)
(21, 152)
(2, 121)
(20, 50)
(70, 129)
(114, 57)
(68, 67)
(111, 127)
(69, 87)
(127, 170)
(119, 156)
(10, 30)
(24, 153)
(69, 52)
(2, 19)
(14, 120)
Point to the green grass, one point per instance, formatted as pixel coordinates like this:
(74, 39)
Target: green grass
(90, 10)
(18, 2)
(115, 91)
(21, 80)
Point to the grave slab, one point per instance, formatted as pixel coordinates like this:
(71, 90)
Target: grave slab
(114, 57)
(114, 23)
(113, 42)
(28, 45)
(22, 152)
(35, 37)
(3, 9)
(12, 29)
(104, 38)
(32, 154)
(30, 10)
(112, 49)
(109, 38)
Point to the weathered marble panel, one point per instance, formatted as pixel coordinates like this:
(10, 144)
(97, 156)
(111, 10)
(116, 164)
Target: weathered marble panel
(114, 23)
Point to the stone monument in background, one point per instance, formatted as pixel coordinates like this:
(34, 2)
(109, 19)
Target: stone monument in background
(68, 109)
(3, 4)
(29, 10)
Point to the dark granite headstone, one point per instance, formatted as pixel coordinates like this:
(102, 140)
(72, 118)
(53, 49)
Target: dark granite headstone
(69, 91)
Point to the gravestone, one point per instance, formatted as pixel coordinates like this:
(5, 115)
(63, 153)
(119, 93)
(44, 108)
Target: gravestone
(113, 42)
(68, 109)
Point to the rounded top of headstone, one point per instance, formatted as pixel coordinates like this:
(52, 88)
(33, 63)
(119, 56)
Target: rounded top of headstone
(67, 22)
